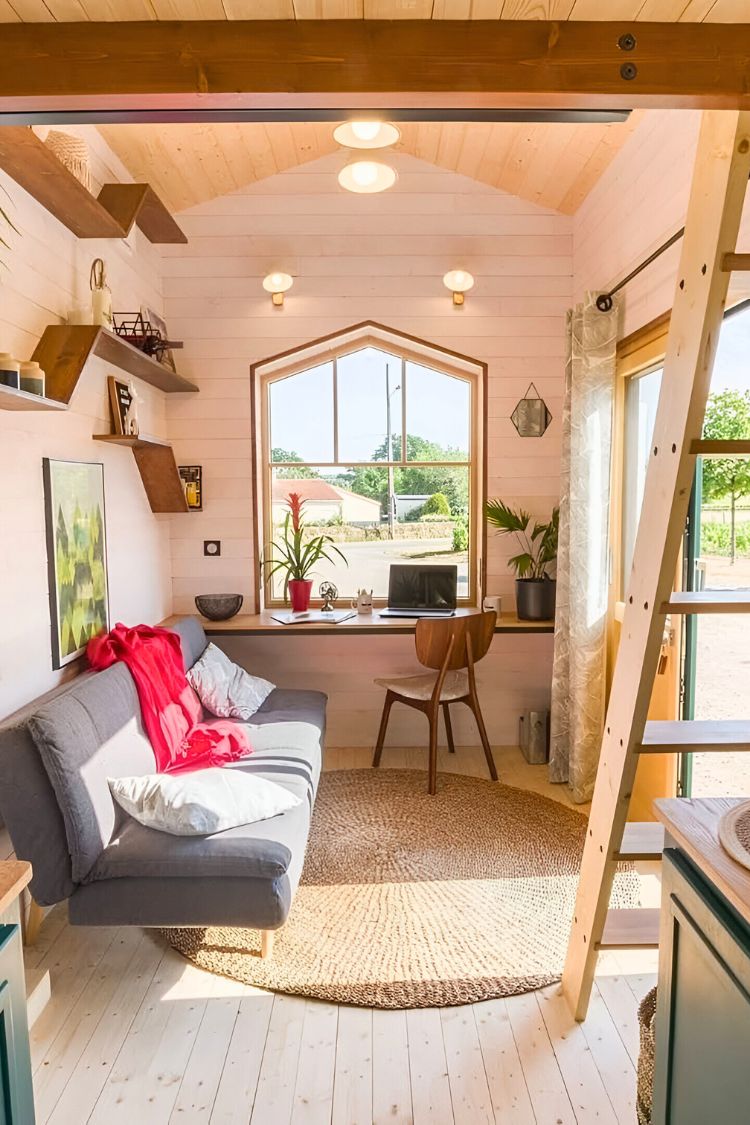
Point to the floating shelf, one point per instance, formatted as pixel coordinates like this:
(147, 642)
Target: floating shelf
(11, 399)
(64, 349)
(158, 469)
(36, 168)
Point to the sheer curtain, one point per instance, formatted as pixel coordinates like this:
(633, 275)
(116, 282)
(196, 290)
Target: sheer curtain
(579, 665)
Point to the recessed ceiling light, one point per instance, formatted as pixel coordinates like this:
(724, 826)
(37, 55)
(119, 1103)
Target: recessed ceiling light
(367, 176)
(366, 134)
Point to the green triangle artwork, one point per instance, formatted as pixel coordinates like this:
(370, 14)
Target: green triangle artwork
(76, 555)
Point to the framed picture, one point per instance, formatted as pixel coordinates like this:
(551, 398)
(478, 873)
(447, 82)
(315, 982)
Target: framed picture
(119, 402)
(192, 482)
(158, 323)
(76, 555)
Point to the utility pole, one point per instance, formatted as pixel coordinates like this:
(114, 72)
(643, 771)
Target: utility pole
(389, 448)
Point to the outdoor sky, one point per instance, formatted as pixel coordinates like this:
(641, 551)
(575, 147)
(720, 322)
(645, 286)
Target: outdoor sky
(437, 407)
(732, 366)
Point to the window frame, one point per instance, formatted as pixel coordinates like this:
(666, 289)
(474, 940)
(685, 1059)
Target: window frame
(407, 348)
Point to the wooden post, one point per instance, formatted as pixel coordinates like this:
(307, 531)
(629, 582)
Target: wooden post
(716, 199)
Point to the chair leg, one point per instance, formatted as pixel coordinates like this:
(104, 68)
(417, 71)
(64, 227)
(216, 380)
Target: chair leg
(266, 944)
(448, 727)
(474, 704)
(433, 716)
(389, 701)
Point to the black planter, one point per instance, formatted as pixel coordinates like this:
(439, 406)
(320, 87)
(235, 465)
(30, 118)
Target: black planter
(535, 598)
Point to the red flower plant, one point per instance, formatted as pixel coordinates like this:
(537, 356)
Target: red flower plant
(297, 553)
(295, 507)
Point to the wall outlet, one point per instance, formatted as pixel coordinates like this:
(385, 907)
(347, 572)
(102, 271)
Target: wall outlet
(212, 548)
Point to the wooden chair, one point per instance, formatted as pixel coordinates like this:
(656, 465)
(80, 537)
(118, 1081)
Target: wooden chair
(452, 646)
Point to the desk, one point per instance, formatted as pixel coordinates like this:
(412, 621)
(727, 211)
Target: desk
(264, 625)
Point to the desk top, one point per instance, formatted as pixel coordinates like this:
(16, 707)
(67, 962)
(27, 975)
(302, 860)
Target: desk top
(263, 624)
(694, 826)
(15, 874)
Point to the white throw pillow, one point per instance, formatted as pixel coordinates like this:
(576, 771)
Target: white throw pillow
(224, 688)
(200, 802)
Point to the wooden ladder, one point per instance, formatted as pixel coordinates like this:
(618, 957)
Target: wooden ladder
(717, 194)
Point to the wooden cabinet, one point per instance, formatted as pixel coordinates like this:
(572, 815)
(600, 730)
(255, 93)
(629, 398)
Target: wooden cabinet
(703, 1013)
(16, 1091)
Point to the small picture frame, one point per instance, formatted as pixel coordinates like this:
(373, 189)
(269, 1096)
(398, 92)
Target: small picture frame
(119, 402)
(192, 482)
(157, 322)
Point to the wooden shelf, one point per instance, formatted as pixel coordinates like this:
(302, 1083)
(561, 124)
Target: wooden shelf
(64, 350)
(701, 735)
(631, 929)
(36, 168)
(721, 448)
(641, 840)
(708, 601)
(158, 469)
(11, 399)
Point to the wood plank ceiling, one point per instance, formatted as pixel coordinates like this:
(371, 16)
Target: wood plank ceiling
(552, 165)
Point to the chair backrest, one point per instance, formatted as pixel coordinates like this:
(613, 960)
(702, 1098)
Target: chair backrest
(433, 638)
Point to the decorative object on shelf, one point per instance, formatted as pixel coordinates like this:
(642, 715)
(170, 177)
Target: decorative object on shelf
(531, 416)
(328, 593)
(296, 556)
(493, 602)
(32, 377)
(73, 153)
(535, 590)
(366, 134)
(158, 325)
(119, 401)
(365, 177)
(101, 295)
(458, 282)
(277, 284)
(363, 602)
(218, 607)
(149, 338)
(192, 480)
(10, 371)
(734, 833)
(130, 421)
(76, 555)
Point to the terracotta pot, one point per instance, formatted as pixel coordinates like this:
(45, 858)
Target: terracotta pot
(299, 592)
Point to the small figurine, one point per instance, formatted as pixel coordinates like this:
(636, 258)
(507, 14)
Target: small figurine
(328, 593)
(363, 601)
(130, 421)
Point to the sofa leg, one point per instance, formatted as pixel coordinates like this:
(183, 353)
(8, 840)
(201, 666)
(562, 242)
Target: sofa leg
(33, 924)
(266, 944)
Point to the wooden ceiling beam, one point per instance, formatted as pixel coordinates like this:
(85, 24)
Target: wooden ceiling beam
(355, 64)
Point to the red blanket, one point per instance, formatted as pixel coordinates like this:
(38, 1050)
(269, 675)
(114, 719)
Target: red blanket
(171, 710)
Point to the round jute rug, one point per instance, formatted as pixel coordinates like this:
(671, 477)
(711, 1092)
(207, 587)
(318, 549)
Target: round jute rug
(408, 900)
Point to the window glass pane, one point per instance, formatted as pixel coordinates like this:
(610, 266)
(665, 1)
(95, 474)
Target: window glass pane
(369, 390)
(301, 416)
(438, 412)
(350, 505)
(641, 401)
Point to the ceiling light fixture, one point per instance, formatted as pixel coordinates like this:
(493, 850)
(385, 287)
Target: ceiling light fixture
(459, 282)
(366, 134)
(277, 284)
(367, 176)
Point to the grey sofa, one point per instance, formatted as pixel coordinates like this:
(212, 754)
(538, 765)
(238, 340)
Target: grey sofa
(55, 758)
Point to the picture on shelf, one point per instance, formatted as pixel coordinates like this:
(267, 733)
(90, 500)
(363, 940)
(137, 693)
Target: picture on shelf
(120, 400)
(158, 324)
(192, 482)
(76, 555)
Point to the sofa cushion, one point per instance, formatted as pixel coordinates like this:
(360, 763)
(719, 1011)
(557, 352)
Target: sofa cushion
(90, 733)
(286, 705)
(286, 753)
(192, 639)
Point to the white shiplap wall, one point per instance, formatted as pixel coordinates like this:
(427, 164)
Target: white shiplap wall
(47, 273)
(356, 258)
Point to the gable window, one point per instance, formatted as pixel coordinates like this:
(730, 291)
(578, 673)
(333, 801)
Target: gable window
(379, 435)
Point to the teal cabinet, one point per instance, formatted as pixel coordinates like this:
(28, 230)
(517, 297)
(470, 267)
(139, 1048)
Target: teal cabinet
(703, 1013)
(16, 1090)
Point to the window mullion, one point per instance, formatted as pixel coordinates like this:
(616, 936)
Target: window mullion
(335, 411)
(403, 410)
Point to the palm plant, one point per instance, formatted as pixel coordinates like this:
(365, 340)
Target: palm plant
(538, 541)
(293, 553)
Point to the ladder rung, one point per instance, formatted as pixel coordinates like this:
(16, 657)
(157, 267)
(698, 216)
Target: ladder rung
(720, 448)
(738, 262)
(708, 601)
(631, 929)
(641, 840)
(696, 734)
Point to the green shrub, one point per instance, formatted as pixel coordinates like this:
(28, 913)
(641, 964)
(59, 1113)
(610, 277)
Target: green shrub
(461, 534)
(436, 505)
(716, 539)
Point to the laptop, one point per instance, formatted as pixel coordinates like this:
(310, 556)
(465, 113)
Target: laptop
(421, 591)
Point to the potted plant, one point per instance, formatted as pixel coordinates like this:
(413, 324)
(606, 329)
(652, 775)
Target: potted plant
(535, 589)
(297, 556)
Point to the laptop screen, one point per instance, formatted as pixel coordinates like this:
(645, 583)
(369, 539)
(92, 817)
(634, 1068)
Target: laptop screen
(422, 587)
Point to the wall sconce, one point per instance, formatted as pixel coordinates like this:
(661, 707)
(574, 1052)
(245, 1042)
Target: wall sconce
(531, 416)
(277, 285)
(459, 282)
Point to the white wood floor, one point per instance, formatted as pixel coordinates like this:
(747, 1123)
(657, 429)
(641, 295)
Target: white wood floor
(133, 1033)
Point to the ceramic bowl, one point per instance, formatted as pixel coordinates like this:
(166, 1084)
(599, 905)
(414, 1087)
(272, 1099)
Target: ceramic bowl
(218, 607)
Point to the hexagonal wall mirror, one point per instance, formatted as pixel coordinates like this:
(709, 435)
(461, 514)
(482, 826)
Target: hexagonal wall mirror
(531, 416)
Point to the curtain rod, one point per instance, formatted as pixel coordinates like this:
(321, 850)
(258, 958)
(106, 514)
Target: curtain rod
(604, 300)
